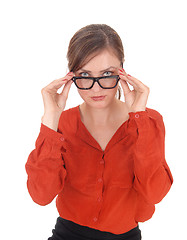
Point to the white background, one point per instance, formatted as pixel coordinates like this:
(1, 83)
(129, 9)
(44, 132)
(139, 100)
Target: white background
(34, 39)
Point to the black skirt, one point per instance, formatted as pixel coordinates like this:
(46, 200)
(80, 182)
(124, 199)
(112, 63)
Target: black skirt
(68, 230)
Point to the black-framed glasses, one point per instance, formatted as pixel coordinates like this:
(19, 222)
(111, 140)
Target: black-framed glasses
(106, 82)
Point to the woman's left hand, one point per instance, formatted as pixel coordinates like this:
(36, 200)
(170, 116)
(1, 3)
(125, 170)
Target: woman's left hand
(135, 99)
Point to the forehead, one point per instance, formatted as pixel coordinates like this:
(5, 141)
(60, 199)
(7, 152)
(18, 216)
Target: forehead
(102, 61)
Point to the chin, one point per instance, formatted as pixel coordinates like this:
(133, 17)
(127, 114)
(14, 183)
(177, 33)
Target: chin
(99, 104)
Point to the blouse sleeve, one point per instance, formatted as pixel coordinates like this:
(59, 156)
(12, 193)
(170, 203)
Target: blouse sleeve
(45, 166)
(152, 176)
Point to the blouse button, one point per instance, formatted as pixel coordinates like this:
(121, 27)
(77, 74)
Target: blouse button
(99, 199)
(136, 115)
(100, 180)
(61, 139)
(95, 219)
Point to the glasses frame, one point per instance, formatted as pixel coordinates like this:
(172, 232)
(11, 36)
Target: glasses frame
(96, 79)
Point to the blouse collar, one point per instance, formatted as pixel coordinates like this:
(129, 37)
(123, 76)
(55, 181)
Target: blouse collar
(85, 135)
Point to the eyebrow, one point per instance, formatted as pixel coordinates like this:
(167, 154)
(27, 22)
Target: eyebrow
(100, 71)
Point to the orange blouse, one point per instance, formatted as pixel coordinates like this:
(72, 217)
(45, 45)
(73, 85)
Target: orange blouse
(110, 190)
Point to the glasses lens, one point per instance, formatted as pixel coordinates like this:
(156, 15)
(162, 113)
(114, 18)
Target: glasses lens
(84, 83)
(108, 82)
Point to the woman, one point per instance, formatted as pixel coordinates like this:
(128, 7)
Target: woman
(103, 159)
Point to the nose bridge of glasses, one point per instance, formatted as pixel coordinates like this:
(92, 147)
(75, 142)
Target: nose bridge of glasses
(96, 80)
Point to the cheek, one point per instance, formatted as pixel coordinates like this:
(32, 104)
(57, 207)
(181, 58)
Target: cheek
(114, 90)
(83, 93)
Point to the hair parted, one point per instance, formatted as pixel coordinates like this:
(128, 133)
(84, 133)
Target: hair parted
(87, 42)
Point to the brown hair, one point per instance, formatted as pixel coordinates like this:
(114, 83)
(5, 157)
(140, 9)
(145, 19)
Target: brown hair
(88, 41)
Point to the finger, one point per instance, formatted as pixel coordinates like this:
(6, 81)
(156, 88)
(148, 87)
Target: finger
(125, 87)
(65, 90)
(121, 70)
(68, 76)
(130, 81)
(56, 84)
(137, 82)
(139, 86)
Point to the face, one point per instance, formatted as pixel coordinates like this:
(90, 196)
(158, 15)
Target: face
(103, 64)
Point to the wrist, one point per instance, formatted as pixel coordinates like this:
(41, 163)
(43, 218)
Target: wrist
(137, 110)
(50, 120)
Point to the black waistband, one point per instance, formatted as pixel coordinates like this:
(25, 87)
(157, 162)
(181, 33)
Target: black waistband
(91, 233)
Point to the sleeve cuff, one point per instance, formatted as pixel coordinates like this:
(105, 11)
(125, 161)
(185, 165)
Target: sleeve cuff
(138, 114)
(140, 120)
(52, 134)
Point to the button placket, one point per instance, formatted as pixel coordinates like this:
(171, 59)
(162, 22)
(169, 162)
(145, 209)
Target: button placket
(95, 219)
(99, 187)
(99, 199)
(62, 139)
(102, 162)
(100, 180)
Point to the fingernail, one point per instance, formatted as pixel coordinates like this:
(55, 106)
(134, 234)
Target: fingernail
(129, 75)
(69, 73)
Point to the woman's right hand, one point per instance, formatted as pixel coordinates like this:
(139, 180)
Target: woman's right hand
(54, 103)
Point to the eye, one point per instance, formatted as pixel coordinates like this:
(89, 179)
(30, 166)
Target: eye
(108, 73)
(84, 74)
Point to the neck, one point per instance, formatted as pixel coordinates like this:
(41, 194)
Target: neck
(100, 116)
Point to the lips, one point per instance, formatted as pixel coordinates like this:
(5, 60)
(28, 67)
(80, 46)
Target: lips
(98, 98)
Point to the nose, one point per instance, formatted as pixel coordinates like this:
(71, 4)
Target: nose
(96, 87)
